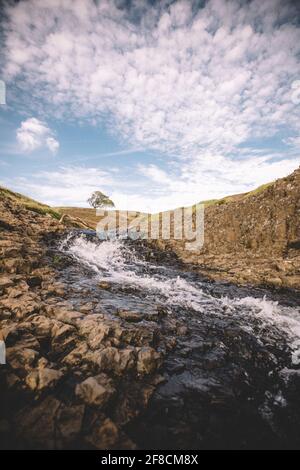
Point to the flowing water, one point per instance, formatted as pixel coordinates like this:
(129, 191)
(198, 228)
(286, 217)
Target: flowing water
(233, 378)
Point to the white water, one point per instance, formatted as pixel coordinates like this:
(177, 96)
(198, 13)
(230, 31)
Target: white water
(114, 262)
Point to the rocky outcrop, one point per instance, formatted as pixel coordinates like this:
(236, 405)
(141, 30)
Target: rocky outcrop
(252, 239)
(74, 375)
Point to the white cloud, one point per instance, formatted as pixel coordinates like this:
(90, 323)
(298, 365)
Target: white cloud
(174, 80)
(293, 142)
(152, 189)
(52, 144)
(192, 83)
(34, 134)
(199, 180)
(64, 186)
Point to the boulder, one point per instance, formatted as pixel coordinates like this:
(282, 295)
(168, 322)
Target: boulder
(20, 358)
(95, 391)
(5, 282)
(87, 308)
(22, 306)
(42, 325)
(69, 424)
(43, 379)
(36, 425)
(104, 434)
(148, 360)
(34, 281)
(104, 285)
(64, 338)
(130, 315)
(114, 359)
(95, 330)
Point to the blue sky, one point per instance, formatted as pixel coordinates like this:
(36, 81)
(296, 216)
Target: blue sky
(158, 104)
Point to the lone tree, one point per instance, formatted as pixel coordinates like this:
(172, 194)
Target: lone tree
(99, 200)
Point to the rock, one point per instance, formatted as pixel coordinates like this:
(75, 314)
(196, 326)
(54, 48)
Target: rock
(56, 288)
(104, 285)
(42, 325)
(17, 265)
(36, 424)
(293, 282)
(129, 315)
(64, 338)
(153, 315)
(94, 330)
(22, 306)
(181, 330)
(274, 281)
(43, 379)
(291, 378)
(34, 281)
(148, 360)
(4, 427)
(125, 360)
(65, 315)
(20, 358)
(12, 381)
(86, 308)
(162, 310)
(69, 424)
(95, 391)
(115, 360)
(104, 434)
(18, 290)
(5, 282)
(78, 357)
(140, 335)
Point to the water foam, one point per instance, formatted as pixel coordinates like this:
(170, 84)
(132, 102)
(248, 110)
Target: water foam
(117, 263)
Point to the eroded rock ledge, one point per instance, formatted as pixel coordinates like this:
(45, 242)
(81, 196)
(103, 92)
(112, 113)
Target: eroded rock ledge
(253, 239)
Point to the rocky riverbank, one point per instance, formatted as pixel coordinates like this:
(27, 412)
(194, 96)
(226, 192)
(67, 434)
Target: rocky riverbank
(66, 366)
(252, 238)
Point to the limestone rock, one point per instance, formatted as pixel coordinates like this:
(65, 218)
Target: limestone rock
(95, 391)
(130, 316)
(37, 424)
(148, 360)
(69, 424)
(43, 379)
(104, 434)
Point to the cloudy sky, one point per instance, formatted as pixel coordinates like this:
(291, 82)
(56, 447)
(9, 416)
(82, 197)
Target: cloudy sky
(158, 104)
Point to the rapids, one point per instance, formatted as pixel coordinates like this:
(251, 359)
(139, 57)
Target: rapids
(233, 378)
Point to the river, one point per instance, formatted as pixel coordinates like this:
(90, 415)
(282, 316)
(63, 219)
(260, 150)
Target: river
(232, 379)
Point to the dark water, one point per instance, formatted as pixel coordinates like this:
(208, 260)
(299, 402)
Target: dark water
(232, 380)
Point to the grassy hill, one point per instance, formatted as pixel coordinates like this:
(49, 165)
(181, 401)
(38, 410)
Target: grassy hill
(89, 216)
(85, 214)
(28, 203)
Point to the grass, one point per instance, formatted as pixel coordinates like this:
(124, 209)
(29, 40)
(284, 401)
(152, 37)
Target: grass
(89, 216)
(236, 197)
(260, 189)
(91, 219)
(28, 203)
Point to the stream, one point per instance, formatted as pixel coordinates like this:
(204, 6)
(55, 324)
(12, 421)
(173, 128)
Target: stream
(232, 379)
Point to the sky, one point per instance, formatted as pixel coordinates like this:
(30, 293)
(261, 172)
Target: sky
(159, 104)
